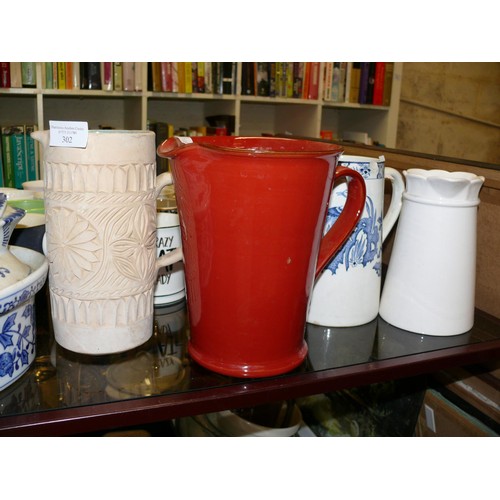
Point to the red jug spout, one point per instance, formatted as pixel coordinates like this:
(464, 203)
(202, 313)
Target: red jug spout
(174, 145)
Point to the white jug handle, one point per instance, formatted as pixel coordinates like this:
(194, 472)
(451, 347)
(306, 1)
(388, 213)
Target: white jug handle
(176, 255)
(396, 203)
(44, 244)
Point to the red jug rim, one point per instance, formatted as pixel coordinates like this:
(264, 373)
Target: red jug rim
(250, 146)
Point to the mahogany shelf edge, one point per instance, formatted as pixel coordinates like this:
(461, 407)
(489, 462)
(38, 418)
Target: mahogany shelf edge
(104, 416)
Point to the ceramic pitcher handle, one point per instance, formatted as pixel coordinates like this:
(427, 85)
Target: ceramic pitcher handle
(398, 187)
(176, 255)
(349, 217)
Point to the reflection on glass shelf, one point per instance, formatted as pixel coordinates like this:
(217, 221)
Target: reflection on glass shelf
(61, 379)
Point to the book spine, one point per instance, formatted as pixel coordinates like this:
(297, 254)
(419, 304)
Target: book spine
(200, 77)
(49, 77)
(188, 78)
(314, 85)
(4, 75)
(347, 85)
(389, 74)
(69, 75)
(19, 157)
(228, 77)
(208, 78)
(138, 76)
(117, 76)
(263, 79)
(16, 75)
(76, 75)
(154, 70)
(107, 75)
(342, 81)
(371, 83)
(28, 70)
(128, 69)
(355, 80)
(363, 82)
(328, 81)
(31, 153)
(8, 161)
(181, 77)
(61, 75)
(336, 82)
(289, 79)
(378, 86)
(94, 75)
(54, 75)
(164, 76)
(175, 77)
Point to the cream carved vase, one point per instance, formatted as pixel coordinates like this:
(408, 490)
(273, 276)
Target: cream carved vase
(100, 206)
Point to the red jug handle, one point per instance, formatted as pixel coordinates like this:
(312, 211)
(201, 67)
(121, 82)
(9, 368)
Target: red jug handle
(334, 239)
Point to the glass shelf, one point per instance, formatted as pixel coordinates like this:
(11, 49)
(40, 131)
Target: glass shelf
(66, 393)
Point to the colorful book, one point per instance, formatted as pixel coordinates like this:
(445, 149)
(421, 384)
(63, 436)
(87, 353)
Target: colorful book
(8, 161)
(69, 75)
(16, 75)
(48, 80)
(18, 155)
(154, 76)
(314, 81)
(138, 83)
(371, 83)
(31, 148)
(355, 82)
(378, 86)
(61, 76)
(164, 74)
(117, 76)
(107, 75)
(363, 84)
(28, 74)
(76, 75)
(389, 74)
(128, 72)
(328, 81)
(263, 79)
(248, 78)
(188, 78)
(200, 77)
(336, 82)
(175, 77)
(228, 77)
(4, 75)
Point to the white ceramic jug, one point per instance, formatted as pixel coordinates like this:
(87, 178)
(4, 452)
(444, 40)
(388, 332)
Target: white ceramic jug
(100, 207)
(348, 292)
(430, 282)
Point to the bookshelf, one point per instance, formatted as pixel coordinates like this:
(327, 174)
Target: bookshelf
(253, 114)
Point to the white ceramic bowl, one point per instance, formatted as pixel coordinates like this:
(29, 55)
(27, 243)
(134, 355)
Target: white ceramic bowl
(17, 317)
(229, 424)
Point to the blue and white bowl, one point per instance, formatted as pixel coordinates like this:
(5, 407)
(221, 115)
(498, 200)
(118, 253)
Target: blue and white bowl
(17, 317)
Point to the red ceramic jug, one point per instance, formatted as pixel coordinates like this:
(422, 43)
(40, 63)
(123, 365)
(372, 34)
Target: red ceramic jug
(252, 211)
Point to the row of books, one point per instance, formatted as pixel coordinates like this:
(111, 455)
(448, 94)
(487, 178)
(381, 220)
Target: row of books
(181, 77)
(17, 74)
(281, 79)
(19, 156)
(125, 76)
(358, 82)
(192, 77)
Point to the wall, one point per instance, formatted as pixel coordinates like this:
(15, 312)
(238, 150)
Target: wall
(451, 109)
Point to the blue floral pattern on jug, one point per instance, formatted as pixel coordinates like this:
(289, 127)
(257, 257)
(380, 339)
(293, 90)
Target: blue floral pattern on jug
(363, 246)
(18, 360)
